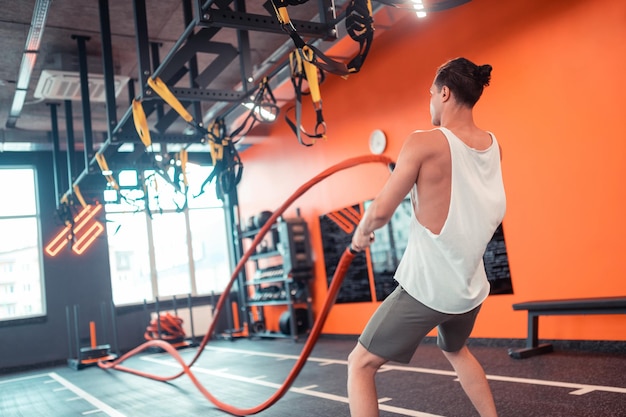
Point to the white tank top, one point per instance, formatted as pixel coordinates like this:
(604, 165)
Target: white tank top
(446, 271)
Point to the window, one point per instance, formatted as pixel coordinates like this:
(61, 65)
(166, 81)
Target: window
(21, 277)
(158, 245)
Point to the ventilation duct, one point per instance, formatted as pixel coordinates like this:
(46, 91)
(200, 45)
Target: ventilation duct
(65, 85)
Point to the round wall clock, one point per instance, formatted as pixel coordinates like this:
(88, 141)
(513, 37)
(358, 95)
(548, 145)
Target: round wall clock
(377, 142)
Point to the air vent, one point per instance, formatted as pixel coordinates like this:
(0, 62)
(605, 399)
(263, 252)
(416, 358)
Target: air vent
(65, 85)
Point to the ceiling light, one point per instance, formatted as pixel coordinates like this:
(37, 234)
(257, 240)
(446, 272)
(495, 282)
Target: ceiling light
(419, 6)
(263, 114)
(26, 68)
(37, 25)
(29, 58)
(18, 103)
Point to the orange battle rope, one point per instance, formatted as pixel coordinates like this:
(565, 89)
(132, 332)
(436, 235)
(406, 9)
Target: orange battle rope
(340, 272)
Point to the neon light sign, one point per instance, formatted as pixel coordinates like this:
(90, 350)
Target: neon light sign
(82, 242)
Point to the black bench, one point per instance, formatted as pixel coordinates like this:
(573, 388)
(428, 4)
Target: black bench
(583, 306)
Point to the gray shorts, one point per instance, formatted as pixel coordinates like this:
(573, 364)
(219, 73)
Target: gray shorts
(401, 322)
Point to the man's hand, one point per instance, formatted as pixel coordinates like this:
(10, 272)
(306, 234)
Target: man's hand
(361, 241)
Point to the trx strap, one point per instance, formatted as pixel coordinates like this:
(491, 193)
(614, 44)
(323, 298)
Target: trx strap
(217, 140)
(308, 62)
(79, 196)
(141, 123)
(161, 89)
(183, 157)
(104, 167)
(359, 25)
(139, 115)
(227, 166)
(263, 109)
(301, 69)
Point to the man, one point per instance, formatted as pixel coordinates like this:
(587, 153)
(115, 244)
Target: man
(454, 177)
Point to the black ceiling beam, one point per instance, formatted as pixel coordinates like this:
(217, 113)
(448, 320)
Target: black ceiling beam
(56, 164)
(226, 54)
(85, 99)
(196, 111)
(160, 138)
(176, 69)
(156, 61)
(243, 42)
(143, 44)
(180, 60)
(262, 23)
(107, 67)
(192, 44)
(70, 148)
(205, 94)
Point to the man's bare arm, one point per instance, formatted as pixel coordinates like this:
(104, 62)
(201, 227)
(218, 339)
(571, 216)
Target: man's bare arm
(415, 150)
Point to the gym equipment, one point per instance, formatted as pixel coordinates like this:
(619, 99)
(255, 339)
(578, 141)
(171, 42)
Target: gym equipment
(301, 324)
(167, 326)
(86, 355)
(342, 268)
(582, 306)
(261, 218)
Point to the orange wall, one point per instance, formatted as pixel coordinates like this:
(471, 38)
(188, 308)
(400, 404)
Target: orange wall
(556, 106)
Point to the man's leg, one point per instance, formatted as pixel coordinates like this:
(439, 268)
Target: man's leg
(362, 396)
(473, 381)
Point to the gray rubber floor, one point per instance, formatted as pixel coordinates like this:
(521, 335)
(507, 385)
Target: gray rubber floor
(245, 373)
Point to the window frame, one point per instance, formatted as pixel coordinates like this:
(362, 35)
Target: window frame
(40, 316)
(148, 213)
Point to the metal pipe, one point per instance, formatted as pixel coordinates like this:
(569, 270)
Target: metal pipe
(143, 52)
(76, 332)
(193, 62)
(190, 305)
(68, 323)
(107, 65)
(85, 100)
(69, 125)
(154, 48)
(55, 150)
(114, 328)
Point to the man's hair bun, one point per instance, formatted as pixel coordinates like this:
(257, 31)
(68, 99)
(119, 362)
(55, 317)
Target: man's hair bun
(483, 74)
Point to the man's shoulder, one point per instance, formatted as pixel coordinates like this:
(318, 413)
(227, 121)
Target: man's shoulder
(422, 135)
(427, 139)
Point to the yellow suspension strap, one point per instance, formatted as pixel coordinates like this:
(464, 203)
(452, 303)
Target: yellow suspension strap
(161, 89)
(104, 167)
(230, 171)
(359, 25)
(302, 69)
(280, 9)
(79, 196)
(217, 140)
(141, 123)
(227, 166)
(139, 115)
(183, 157)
